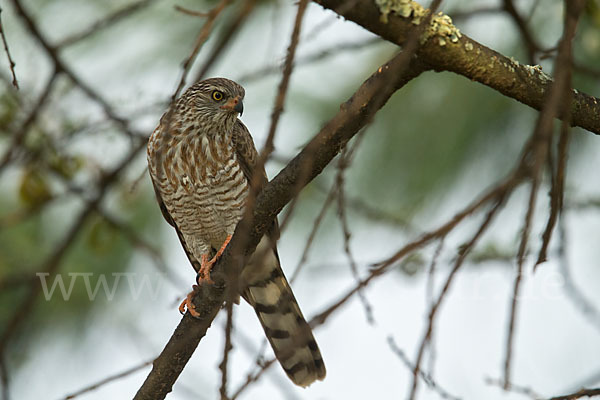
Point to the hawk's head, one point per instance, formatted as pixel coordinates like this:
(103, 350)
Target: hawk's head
(214, 101)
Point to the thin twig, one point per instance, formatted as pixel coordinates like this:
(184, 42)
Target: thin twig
(253, 378)
(229, 33)
(579, 394)
(11, 63)
(537, 152)
(344, 162)
(104, 23)
(584, 305)
(202, 37)
(4, 379)
(530, 43)
(19, 135)
(226, 349)
(192, 13)
(464, 251)
(320, 55)
(557, 189)
(524, 390)
(429, 287)
(311, 236)
(427, 378)
(283, 84)
(107, 380)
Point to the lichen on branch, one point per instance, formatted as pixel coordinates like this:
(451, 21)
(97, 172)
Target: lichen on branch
(441, 26)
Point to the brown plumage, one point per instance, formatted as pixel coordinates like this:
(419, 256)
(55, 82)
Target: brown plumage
(201, 159)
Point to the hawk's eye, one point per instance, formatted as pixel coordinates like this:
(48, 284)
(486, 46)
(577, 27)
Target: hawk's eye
(217, 95)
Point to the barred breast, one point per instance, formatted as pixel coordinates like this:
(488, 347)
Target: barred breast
(204, 190)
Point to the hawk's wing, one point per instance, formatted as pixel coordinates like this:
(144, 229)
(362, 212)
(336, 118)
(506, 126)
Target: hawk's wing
(268, 291)
(248, 157)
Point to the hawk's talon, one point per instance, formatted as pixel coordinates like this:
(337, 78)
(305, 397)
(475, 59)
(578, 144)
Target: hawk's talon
(188, 302)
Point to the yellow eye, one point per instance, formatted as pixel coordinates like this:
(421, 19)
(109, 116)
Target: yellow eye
(217, 95)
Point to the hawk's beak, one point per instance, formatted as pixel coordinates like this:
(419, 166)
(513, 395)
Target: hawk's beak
(234, 104)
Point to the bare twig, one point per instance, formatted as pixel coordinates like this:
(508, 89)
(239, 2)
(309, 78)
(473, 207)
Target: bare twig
(105, 23)
(283, 84)
(19, 135)
(343, 163)
(228, 35)
(579, 300)
(530, 43)
(192, 13)
(461, 15)
(512, 387)
(429, 287)
(107, 380)
(61, 67)
(253, 378)
(435, 307)
(226, 349)
(501, 190)
(4, 379)
(320, 55)
(313, 232)
(205, 31)
(579, 394)
(427, 378)
(557, 190)
(11, 63)
(536, 153)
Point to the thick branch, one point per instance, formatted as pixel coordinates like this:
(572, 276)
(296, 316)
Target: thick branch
(473, 60)
(353, 115)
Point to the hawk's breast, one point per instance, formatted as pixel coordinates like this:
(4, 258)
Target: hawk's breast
(208, 189)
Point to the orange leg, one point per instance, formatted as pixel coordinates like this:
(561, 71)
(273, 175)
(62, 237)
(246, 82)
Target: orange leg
(221, 250)
(203, 277)
(206, 266)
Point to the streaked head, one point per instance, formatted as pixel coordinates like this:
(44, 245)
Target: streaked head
(215, 101)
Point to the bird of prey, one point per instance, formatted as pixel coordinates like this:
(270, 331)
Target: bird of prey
(202, 161)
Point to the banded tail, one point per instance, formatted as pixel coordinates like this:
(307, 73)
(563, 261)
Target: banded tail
(268, 292)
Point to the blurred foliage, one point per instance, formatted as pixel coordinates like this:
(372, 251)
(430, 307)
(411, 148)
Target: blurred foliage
(424, 137)
(592, 11)
(33, 190)
(99, 249)
(9, 106)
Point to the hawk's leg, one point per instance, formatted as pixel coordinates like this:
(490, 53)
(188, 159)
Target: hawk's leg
(206, 266)
(202, 277)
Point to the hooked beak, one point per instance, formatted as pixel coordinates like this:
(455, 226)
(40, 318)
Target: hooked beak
(234, 104)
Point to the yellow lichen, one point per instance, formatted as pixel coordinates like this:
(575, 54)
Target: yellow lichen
(441, 25)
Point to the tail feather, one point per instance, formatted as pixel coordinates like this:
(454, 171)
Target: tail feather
(291, 338)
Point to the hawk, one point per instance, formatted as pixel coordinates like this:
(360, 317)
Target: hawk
(202, 159)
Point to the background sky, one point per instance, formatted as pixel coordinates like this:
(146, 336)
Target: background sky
(437, 144)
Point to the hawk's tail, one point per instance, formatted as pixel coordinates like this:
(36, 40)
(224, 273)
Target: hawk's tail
(288, 332)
